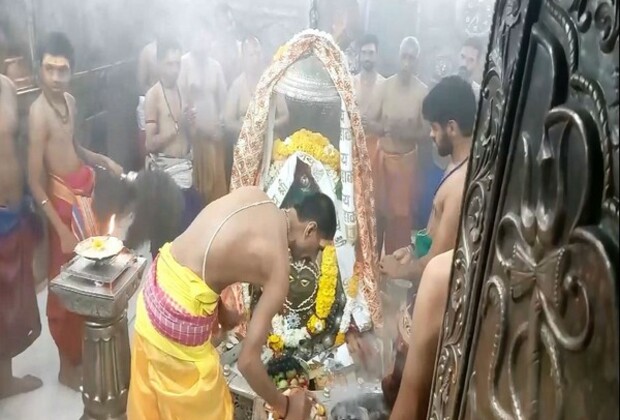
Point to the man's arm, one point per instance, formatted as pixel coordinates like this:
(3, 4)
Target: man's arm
(36, 176)
(156, 140)
(445, 235)
(91, 158)
(373, 121)
(250, 365)
(415, 388)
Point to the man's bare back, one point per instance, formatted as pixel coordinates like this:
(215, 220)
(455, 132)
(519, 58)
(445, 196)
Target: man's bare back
(164, 115)
(415, 389)
(401, 114)
(11, 177)
(56, 124)
(243, 250)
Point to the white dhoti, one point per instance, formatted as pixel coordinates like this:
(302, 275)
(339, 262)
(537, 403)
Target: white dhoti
(180, 169)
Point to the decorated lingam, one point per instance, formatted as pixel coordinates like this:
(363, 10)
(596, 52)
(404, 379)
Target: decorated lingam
(327, 299)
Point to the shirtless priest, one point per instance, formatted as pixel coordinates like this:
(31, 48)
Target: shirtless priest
(450, 107)
(20, 324)
(62, 182)
(244, 236)
(398, 123)
(170, 123)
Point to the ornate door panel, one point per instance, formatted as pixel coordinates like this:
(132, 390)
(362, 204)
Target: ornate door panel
(531, 327)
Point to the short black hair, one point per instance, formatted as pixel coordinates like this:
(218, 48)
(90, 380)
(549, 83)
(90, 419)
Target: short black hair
(474, 43)
(319, 208)
(57, 44)
(166, 45)
(369, 39)
(452, 99)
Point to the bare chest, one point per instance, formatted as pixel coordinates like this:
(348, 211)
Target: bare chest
(8, 115)
(401, 103)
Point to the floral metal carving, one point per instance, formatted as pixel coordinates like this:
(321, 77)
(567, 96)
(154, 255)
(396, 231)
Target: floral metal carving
(532, 292)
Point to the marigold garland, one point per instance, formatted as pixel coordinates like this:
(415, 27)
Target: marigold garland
(353, 286)
(275, 343)
(311, 143)
(327, 283)
(315, 325)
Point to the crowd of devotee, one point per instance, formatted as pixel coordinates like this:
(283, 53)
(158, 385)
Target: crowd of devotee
(204, 235)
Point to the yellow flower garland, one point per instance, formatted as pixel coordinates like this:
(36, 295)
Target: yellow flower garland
(353, 286)
(327, 283)
(311, 143)
(275, 343)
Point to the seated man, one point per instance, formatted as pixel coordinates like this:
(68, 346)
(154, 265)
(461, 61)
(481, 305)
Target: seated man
(413, 397)
(175, 372)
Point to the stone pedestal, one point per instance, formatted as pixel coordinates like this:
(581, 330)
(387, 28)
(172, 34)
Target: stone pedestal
(106, 353)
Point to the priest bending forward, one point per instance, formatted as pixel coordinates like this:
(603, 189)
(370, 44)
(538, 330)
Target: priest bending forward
(244, 236)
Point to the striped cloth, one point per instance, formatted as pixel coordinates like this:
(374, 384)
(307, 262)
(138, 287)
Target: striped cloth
(170, 319)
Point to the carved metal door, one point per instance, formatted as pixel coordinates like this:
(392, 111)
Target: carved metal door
(531, 325)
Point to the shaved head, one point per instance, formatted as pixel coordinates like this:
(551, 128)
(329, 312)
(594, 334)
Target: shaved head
(411, 46)
(409, 52)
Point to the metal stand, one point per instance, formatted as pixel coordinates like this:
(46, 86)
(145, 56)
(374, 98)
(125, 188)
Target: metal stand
(106, 353)
(106, 381)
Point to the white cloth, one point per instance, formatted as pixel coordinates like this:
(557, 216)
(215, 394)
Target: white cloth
(141, 114)
(180, 169)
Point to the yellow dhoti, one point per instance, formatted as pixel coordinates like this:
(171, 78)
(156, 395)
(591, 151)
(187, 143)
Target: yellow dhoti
(170, 380)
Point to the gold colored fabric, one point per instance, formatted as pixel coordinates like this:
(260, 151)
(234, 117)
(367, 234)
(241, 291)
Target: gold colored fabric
(192, 294)
(166, 388)
(250, 150)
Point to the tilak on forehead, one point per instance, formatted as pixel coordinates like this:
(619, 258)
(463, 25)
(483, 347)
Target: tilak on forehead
(56, 61)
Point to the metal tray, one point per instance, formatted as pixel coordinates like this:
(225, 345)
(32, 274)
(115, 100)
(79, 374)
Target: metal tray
(98, 272)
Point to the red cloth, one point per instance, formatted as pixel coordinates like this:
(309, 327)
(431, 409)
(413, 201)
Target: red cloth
(395, 191)
(20, 324)
(66, 328)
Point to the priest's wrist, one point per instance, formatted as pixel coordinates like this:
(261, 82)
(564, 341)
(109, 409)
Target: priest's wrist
(281, 410)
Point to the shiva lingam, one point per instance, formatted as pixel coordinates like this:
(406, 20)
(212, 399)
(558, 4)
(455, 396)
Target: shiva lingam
(97, 284)
(297, 331)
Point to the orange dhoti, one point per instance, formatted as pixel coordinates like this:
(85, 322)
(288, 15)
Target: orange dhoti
(66, 328)
(395, 189)
(210, 169)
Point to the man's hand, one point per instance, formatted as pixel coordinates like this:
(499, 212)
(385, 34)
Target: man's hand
(113, 167)
(403, 255)
(391, 268)
(68, 241)
(362, 349)
(229, 318)
(300, 404)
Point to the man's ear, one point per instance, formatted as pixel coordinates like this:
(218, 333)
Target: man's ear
(310, 228)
